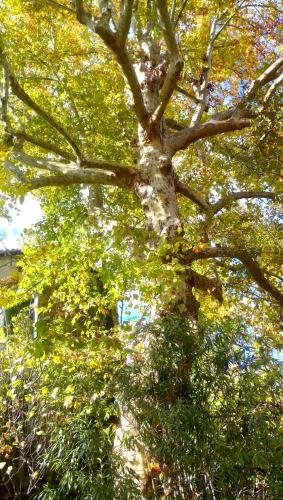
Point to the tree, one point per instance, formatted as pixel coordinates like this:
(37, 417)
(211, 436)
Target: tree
(168, 112)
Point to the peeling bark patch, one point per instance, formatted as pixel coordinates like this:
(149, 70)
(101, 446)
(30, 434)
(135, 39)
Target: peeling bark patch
(156, 191)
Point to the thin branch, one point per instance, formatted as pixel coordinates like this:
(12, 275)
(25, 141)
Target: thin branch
(26, 99)
(167, 28)
(267, 76)
(271, 90)
(5, 98)
(60, 6)
(21, 134)
(228, 199)
(187, 94)
(46, 145)
(180, 12)
(175, 65)
(190, 193)
(125, 21)
(173, 11)
(226, 23)
(202, 90)
(231, 119)
(263, 6)
(18, 90)
(203, 87)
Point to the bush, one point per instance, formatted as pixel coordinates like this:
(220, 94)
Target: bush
(207, 411)
(58, 416)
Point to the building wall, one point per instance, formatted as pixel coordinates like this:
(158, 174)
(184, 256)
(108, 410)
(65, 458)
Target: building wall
(8, 265)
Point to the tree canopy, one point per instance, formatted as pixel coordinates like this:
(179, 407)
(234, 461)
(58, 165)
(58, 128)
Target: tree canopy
(150, 131)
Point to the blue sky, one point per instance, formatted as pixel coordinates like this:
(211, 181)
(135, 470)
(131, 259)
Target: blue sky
(23, 216)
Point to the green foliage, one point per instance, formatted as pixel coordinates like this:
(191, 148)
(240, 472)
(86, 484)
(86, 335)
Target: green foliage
(208, 410)
(58, 415)
(206, 406)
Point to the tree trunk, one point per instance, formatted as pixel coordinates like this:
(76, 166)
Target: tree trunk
(156, 191)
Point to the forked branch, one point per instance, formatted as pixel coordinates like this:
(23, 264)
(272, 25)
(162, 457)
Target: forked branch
(64, 174)
(125, 21)
(175, 63)
(115, 41)
(246, 257)
(86, 169)
(190, 193)
(233, 119)
(228, 199)
(21, 94)
(270, 74)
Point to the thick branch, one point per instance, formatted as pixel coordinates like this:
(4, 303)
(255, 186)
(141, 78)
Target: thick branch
(16, 171)
(169, 122)
(258, 276)
(66, 175)
(214, 252)
(77, 177)
(182, 139)
(251, 265)
(101, 172)
(107, 165)
(231, 197)
(100, 26)
(209, 285)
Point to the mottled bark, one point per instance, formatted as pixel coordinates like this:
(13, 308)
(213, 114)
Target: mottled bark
(156, 190)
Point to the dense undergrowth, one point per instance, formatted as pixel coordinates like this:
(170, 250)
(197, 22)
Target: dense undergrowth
(206, 410)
